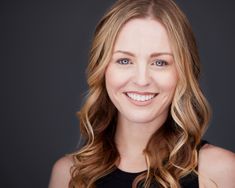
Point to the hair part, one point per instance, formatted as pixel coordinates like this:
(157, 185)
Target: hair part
(189, 113)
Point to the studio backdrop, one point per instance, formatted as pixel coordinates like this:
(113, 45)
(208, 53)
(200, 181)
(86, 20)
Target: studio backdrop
(44, 52)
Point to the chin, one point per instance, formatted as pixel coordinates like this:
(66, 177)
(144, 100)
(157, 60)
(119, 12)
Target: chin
(144, 116)
(141, 119)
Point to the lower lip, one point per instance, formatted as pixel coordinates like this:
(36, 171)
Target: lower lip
(140, 103)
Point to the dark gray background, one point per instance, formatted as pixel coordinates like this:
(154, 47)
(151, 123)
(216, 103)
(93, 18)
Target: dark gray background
(44, 46)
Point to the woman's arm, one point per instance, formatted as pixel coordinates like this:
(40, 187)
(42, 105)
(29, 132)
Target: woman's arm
(60, 175)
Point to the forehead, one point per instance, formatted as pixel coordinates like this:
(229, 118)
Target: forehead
(143, 34)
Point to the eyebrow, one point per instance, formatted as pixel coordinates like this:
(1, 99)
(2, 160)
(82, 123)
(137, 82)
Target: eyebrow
(152, 55)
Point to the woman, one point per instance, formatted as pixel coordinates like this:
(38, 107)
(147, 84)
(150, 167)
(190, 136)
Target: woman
(145, 114)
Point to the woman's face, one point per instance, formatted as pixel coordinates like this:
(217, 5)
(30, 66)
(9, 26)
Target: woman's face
(141, 77)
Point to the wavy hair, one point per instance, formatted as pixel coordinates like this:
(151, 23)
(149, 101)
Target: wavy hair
(171, 152)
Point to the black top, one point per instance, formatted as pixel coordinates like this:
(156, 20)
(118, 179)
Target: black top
(119, 178)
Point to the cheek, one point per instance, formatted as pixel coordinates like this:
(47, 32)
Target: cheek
(114, 78)
(111, 79)
(167, 81)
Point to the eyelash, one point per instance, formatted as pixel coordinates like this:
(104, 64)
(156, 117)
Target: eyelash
(120, 61)
(163, 63)
(127, 61)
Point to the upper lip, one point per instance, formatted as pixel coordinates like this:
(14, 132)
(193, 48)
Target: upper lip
(142, 93)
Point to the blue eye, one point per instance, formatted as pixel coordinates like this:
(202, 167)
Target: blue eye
(160, 63)
(123, 61)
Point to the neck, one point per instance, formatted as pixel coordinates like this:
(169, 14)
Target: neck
(135, 136)
(131, 139)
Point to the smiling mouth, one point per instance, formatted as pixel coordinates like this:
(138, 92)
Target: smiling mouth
(141, 97)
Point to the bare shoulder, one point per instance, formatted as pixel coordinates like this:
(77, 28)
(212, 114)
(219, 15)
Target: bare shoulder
(60, 175)
(217, 165)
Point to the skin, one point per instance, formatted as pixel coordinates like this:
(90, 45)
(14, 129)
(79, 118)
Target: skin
(141, 72)
(143, 65)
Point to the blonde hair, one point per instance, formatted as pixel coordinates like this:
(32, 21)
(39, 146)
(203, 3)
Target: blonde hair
(171, 152)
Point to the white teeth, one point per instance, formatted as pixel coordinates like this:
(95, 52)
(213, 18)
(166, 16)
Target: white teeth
(138, 97)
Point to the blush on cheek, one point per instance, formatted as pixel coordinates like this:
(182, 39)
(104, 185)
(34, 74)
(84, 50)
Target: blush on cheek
(113, 80)
(116, 77)
(167, 83)
(172, 78)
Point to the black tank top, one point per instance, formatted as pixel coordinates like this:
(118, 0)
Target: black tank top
(121, 179)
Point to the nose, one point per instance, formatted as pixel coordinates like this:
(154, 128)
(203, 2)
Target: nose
(142, 76)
